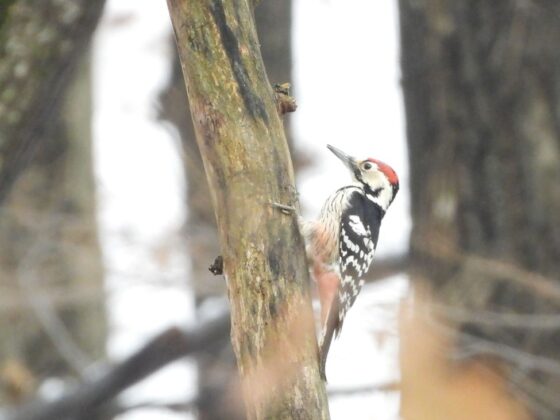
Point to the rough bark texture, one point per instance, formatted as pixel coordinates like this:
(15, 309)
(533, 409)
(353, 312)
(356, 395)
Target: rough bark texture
(246, 159)
(51, 291)
(275, 40)
(274, 25)
(482, 94)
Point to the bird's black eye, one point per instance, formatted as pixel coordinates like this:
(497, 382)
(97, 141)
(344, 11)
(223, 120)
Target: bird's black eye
(367, 166)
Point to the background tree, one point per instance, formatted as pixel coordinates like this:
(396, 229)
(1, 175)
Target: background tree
(52, 317)
(482, 95)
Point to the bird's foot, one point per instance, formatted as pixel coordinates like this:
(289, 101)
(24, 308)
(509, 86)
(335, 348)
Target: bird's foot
(288, 210)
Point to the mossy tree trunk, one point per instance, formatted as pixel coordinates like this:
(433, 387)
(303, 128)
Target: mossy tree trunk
(218, 365)
(482, 94)
(245, 155)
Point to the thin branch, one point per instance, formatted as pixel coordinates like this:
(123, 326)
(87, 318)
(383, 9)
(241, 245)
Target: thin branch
(496, 270)
(476, 346)
(167, 347)
(500, 319)
(539, 284)
(526, 360)
(49, 320)
(179, 406)
(388, 266)
(364, 389)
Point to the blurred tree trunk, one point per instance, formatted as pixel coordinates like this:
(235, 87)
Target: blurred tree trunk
(217, 367)
(247, 163)
(482, 95)
(51, 294)
(40, 43)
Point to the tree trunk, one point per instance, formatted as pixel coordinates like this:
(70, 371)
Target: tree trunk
(246, 159)
(482, 95)
(52, 314)
(218, 365)
(40, 43)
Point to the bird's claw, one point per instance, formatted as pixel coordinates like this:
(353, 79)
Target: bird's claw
(288, 210)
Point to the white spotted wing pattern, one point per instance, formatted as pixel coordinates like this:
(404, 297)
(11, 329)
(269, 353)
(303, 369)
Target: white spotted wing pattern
(359, 230)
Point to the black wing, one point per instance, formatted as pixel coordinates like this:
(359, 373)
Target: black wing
(359, 231)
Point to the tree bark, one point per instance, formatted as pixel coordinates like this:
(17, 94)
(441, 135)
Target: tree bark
(482, 95)
(218, 365)
(241, 139)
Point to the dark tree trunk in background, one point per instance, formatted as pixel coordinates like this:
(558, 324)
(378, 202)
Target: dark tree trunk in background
(217, 368)
(51, 292)
(40, 43)
(482, 94)
(274, 27)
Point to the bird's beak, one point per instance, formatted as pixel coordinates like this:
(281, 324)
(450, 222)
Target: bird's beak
(349, 161)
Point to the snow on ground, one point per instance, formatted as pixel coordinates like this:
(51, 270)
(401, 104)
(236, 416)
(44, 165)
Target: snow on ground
(346, 77)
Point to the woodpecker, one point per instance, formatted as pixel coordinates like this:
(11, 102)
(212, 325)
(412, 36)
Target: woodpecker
(341, 243)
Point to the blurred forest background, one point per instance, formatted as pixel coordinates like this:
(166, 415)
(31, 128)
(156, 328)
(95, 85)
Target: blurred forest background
(84, 310)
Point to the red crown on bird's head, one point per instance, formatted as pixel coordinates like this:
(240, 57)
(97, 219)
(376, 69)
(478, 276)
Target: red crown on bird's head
(386, 170)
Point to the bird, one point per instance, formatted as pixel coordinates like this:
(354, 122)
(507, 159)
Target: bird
(341, 243)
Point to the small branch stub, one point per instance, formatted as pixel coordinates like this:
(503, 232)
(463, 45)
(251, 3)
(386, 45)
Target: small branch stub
(285, 209)
(217, 267)
(284, 102)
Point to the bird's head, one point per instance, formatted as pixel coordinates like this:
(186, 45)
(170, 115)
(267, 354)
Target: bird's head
(379, 180)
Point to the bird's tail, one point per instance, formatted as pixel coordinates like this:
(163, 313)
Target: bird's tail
(331, 326)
